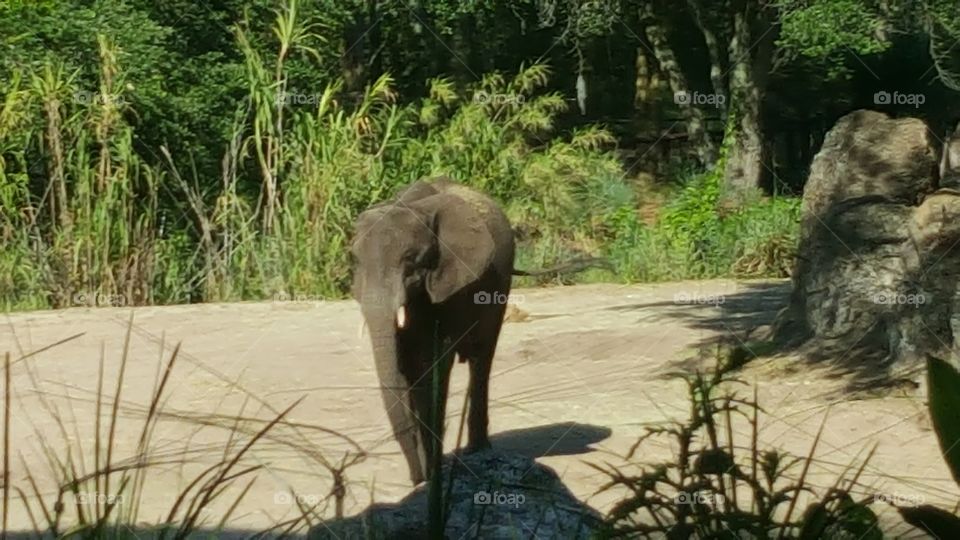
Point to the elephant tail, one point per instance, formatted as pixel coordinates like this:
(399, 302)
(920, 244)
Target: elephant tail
(569, 267)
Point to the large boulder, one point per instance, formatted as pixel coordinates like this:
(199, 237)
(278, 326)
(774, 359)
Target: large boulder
(874, 224)
(494, 495)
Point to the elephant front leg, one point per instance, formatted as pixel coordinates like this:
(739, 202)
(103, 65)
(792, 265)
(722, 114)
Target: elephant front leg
(478, 420)
(406, 430)
(429, 393)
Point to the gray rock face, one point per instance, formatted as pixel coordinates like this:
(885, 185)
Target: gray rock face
(876, 273)
(494, 495)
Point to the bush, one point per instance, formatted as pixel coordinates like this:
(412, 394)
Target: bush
(718, 487)
(696, 236)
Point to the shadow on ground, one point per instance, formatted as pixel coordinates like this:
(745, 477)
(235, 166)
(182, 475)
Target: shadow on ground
(153, 533)
(734, 315)
(562, 439)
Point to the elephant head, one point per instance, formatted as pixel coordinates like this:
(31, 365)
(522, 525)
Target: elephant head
(407, 259)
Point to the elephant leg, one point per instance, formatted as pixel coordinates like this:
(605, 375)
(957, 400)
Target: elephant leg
(478, 420)
(430, 400)
(400, 409)
(481, 358)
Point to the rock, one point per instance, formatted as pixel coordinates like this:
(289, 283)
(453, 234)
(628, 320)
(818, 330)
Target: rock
(494, 495)
(873, 226)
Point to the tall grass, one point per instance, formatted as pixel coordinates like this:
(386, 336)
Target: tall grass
(98, 489)
(88, 230)
(89, 217)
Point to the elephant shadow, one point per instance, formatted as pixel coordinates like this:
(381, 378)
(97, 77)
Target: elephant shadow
(560, 439)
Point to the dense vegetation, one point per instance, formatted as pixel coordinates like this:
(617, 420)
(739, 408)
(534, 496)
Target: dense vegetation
(180, 151)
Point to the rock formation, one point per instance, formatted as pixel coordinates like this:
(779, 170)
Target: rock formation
(494, 495)
(877, 262)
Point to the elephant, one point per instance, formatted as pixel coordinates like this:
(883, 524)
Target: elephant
(434, 262)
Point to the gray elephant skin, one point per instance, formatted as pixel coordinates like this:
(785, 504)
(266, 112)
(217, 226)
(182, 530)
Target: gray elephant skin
(433, 262)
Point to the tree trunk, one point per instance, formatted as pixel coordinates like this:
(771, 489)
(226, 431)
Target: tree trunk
(647, 86)
(656, 35)
(714, 50)
(751, 55)
(361, 44)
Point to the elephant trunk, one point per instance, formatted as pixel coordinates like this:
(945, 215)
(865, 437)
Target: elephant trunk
(384, 323)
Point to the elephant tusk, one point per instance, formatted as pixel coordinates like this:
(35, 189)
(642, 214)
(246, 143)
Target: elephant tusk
(401, 317)
(363, 327)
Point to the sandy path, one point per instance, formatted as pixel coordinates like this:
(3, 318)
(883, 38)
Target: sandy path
(574, 384)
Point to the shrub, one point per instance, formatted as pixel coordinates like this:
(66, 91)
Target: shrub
(718, 487)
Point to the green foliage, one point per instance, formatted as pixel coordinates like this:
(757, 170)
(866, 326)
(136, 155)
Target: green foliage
(225, 169)
(829, 28)
(696, 236)
(943, 380)
(718, 487)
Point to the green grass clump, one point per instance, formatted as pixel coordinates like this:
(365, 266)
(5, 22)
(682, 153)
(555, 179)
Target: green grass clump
(721, 487)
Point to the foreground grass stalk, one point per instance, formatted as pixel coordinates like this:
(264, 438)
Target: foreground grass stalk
(436, 514)
(7, 390)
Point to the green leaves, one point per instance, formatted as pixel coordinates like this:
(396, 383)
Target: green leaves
(943, 383)
(828, 30)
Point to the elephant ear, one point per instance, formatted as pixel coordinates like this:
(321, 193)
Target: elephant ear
(465, 245)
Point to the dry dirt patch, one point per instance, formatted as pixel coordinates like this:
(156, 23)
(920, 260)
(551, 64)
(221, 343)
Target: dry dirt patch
(574, 383)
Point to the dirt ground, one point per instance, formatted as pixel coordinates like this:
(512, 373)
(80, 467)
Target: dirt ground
(575, 383)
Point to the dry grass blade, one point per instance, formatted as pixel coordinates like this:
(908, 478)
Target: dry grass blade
(803, 475)
(236, 502)
(7, 390)
(51, 522)
(98, 481)
(30, 516)
(208, 490)
(114, 413)
(48, 347)
(148, 425)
